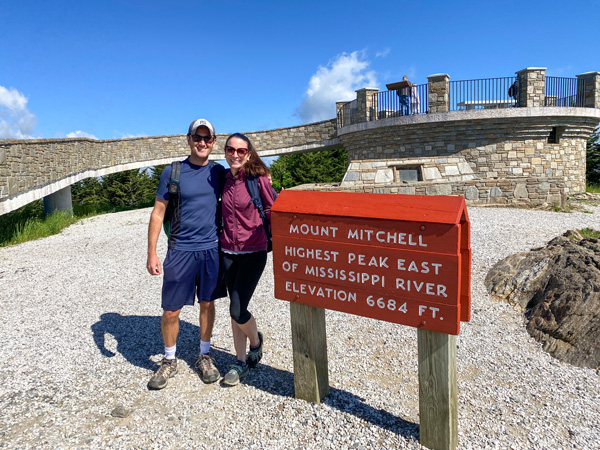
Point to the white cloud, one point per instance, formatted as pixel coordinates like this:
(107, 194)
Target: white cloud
(383, 53)
(16, 122)
(79, 133)
(131, 136)
(335, 83)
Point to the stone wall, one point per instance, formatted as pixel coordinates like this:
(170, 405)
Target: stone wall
(32, 169)
(510, 191)
(302, 138)
(487, 156)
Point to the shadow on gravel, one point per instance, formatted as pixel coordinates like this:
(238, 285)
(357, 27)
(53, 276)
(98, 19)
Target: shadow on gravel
(281, 382)
(138, 338)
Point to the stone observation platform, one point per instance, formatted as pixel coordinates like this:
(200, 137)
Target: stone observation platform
(492, 148)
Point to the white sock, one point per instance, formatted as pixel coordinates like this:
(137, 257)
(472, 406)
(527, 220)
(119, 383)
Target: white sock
(170, 352)
(204, 346)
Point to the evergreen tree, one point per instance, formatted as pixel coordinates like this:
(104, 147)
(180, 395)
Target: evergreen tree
(280, 175)
(593, 159)
(129, 188)
(88, 192)
(326, 166)
(155, 175)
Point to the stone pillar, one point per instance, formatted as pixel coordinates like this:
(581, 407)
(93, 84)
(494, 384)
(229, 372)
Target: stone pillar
(339, 113)
(4, 172)
(58, 201)
(366, 104)
(439, 92)
(591, 91)
(532, 84)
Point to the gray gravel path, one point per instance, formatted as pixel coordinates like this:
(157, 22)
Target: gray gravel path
(79, 330)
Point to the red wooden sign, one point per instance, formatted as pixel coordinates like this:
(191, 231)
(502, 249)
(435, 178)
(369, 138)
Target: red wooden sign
(401, 258)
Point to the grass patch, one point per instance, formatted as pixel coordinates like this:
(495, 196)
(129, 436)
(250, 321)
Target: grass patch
(568, 208)
(13, 221)
(36, 228)
(593, 188)
(29, 222)
(590, 233)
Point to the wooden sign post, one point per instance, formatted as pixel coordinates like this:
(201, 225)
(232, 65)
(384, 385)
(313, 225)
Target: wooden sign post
(404, 259)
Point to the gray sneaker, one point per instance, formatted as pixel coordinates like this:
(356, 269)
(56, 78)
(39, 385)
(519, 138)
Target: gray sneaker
(207, 368)
(167, 369)
(235, 374)
(254, 356)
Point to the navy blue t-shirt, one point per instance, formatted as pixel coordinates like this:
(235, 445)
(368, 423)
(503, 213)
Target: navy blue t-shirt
(199, 190)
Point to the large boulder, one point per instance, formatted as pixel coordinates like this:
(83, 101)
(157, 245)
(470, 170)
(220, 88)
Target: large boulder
(558, 289)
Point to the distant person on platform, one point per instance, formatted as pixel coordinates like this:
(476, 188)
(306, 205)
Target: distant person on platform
(414, 100)
(513, 92)
(191, 267)
(404, 94)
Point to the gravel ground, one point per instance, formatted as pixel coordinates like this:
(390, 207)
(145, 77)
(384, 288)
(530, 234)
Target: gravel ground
(80, 331)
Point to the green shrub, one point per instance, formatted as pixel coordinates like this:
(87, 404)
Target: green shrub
(592, 170)
(36, 228)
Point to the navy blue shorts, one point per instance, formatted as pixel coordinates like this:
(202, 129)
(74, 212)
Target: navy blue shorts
(190, 274)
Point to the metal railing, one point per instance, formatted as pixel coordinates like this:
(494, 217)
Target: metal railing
(486, 93)
(560, 91)
(465, 95)
(393, 104)
(347, 114)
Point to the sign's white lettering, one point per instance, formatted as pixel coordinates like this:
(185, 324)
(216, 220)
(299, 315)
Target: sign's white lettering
(364, 260)
(313, 230)
(346, 275)
(311, 253)
(422, 287)
(386, 237)
(319, 291)
(423, 267)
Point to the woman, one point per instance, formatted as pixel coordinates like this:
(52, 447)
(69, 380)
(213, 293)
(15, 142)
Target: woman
(244, 248)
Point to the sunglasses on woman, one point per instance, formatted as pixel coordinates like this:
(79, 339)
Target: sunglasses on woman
(240, 151)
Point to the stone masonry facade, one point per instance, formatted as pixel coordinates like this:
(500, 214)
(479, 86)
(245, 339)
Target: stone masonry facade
(497, 159)
(532, 82)
(533, 154)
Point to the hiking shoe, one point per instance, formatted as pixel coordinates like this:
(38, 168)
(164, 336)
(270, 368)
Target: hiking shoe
(207, 368)
(235, 374)
(254, 356)
(167, 369)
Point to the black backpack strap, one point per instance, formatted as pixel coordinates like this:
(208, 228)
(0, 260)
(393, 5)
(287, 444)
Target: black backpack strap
(252, 186)
(174, 202)
(175, 175)
(221, 172)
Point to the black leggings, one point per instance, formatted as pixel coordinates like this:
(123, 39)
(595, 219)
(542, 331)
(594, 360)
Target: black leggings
(242, 273)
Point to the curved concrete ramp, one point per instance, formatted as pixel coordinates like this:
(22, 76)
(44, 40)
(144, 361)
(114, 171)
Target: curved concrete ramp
(34, 169)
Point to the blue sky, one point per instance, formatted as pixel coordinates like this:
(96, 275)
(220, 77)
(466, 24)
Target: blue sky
(116, 69)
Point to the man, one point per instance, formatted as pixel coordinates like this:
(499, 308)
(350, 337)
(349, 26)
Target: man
(191, 267)
(404, 94)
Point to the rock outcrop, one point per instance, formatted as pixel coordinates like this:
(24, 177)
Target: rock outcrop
(558, 289)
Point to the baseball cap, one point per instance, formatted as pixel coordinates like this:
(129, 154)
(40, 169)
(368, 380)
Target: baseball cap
(201, 123)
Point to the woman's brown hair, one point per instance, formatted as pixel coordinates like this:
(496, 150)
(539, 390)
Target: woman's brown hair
(254, 167)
